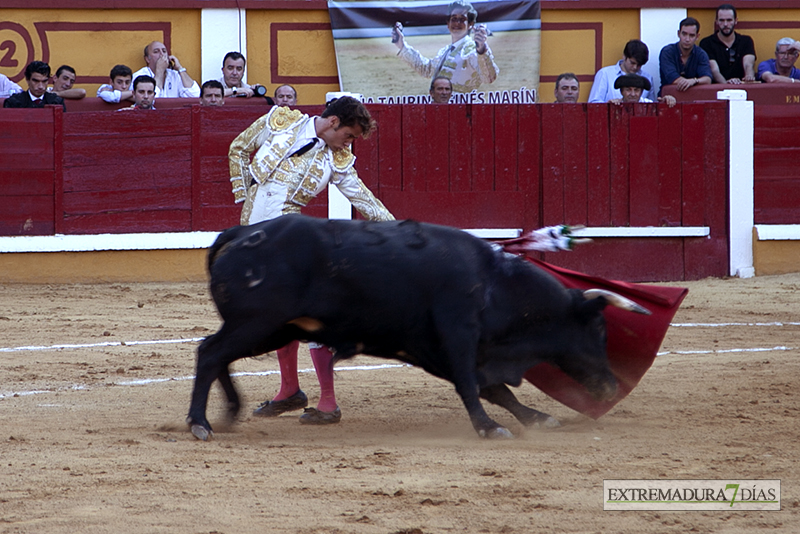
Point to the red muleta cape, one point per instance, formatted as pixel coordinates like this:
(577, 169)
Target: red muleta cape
(633, 339)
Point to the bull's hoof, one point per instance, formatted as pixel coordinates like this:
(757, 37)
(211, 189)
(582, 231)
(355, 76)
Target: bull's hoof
(546, 422)
(201, 432)
(551, 422)
(496, 433)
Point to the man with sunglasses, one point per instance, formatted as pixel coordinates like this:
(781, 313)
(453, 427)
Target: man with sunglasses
(467, 62)
(731, 55)
(781, 69)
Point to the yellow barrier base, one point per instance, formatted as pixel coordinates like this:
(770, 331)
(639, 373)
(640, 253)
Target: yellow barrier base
(776, 257)
(104, 266)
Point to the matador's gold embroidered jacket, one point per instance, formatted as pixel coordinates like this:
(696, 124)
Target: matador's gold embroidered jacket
(460, 63)
(274, 184)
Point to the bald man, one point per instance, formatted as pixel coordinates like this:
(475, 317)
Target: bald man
(172, 80)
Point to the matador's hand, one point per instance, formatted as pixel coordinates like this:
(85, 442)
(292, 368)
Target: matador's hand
(397, 35)
(480, 37)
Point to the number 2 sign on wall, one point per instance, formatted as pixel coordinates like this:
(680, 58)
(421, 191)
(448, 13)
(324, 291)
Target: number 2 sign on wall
(16, 50)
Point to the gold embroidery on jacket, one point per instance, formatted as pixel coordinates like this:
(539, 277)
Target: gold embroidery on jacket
(283, 118)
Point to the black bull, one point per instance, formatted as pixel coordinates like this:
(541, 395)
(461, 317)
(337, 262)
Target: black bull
(432, 296)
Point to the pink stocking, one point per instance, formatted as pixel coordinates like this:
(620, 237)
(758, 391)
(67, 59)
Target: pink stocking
(287, 360)
(323, 363)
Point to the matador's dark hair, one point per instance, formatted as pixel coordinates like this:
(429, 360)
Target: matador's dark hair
(351, 113)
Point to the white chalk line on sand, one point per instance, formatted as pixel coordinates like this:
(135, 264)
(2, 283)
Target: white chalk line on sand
(103, 344)
(198, 339)
(712, 325)
(147, 381)
(727, 351)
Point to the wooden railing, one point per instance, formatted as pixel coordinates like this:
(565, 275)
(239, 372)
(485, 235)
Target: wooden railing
(470, 166)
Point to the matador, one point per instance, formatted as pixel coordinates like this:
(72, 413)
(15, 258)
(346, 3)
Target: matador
(296, 156)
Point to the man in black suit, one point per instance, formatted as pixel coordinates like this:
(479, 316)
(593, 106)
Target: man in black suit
(37, 74)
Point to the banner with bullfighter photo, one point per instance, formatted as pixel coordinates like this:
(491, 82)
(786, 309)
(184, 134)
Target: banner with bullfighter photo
(411, 51)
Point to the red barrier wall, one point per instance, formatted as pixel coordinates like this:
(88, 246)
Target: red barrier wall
(470, 166)
(30, 151)
(776, 159)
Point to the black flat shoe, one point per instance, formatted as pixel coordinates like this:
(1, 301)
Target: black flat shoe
(312, 416)
(275, 408)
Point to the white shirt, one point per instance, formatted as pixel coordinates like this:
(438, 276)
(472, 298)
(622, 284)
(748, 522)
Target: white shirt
(241, 85)
(306, 135)
(109, 94)
(603, 86)
(7, 87)
(173, 84)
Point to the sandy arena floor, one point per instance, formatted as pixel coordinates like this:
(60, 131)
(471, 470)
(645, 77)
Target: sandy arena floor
(93, 436)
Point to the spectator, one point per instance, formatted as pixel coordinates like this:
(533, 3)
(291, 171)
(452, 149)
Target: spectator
(684, 63)
(633, 87)
(296, 157)
(634, 56)
(172, 80)
(233, 74)
(467, 62)
(441, 90)
(63, 84)
(781, 69)
(144, 93)
(285, 95)
(731, 56)
(37, 75)
(7, 87)
(568, 88)
(119, 88)
(212, 94)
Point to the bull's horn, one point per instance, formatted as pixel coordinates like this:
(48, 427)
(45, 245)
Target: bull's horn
(616, 300)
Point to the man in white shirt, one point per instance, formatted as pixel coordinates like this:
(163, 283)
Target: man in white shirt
(7, 87)
(120, 87)
(172, 80)
(233, 75)
(635, 56)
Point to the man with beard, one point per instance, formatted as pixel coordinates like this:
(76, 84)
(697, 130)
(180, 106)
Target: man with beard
(144, 94)
(731, 56)
(467, 62)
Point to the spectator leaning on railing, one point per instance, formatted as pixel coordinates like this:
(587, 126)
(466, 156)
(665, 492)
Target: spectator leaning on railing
(781, 69)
